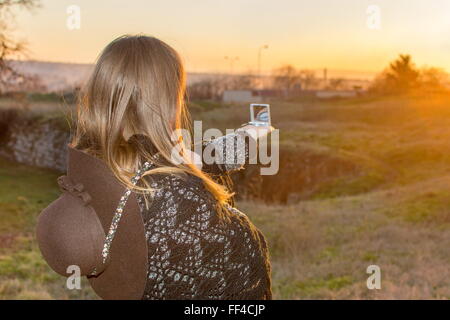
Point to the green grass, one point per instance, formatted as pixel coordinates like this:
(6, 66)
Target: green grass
(365, 144)
(430, 207)
(350, 185)
(320, 249)
(24, 192)
(204, 105)
(376, 192)
(313, 287)
(26, 263)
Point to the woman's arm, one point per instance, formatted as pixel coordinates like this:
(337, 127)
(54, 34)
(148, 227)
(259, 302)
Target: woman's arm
(230, 152)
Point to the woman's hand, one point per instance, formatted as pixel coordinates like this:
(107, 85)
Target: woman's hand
(257, 132)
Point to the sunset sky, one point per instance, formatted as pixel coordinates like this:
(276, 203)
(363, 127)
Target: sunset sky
(307, 34)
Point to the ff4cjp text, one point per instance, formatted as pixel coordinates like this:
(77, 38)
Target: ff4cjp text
(252, 309)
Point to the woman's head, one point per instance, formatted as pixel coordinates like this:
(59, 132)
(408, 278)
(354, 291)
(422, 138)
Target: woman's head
(137, 87)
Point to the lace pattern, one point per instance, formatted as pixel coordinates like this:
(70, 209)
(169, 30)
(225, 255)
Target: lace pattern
(196, 253)
(231, 151)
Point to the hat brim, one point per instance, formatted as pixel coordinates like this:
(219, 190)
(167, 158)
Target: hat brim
(126, 273)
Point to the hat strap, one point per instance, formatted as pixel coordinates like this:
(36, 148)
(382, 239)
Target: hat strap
(118, 215)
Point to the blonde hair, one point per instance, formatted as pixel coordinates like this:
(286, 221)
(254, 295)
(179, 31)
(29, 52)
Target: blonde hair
(138, 86)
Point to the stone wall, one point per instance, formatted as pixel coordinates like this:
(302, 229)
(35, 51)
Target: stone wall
(42, 142)
(36, 143)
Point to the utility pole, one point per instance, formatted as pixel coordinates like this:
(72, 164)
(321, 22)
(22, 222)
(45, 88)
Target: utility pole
(259, 61)
(232, 60)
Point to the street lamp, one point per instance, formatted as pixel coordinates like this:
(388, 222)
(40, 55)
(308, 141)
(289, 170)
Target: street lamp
(232, 60)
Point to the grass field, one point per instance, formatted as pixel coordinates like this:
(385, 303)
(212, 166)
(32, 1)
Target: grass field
(394, 211)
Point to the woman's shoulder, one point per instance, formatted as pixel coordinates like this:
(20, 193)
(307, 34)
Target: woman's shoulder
(184, 185)
(172, 193)
(186, 197)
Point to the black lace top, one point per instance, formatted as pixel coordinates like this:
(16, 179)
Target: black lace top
(196, 253)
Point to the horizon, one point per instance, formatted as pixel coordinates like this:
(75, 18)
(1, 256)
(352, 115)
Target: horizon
(345, 74)
(295, 33)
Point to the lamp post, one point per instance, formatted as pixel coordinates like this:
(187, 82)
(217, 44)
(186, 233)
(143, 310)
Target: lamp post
(259, 60)
(232, 60)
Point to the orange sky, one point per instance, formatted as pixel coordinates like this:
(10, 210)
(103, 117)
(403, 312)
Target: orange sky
(306, 34)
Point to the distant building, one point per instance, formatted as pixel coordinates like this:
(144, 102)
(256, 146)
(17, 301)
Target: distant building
(259, 96)
(325, 94)
(239, 96)
(256, 96)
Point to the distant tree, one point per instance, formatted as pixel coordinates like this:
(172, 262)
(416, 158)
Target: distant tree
(308, 79)
(291, 80)
(335, 83)
(433, 79)
(244, 81)
(403, 74)
(9, 47)
(400, 77)
(286, 78)
(203, 89)
(214, 86)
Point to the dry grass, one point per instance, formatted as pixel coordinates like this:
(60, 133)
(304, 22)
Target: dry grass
(392, 141)
(321, 248)
(24, 192)
(395, 214)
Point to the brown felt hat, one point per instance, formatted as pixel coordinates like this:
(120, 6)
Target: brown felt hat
(72, 229)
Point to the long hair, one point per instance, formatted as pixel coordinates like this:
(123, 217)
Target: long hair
(137, 87)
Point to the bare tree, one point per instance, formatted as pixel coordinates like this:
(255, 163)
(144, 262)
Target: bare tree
(11, 48)
(204, 89)
(286, 78)
(335, 83)
(291, 80)
(433, 79)
(242, 81)
(308, 79)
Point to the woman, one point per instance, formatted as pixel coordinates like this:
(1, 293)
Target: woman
(197, 245)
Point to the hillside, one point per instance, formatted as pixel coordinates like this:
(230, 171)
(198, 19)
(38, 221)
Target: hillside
(319, 248)
(363, 181)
